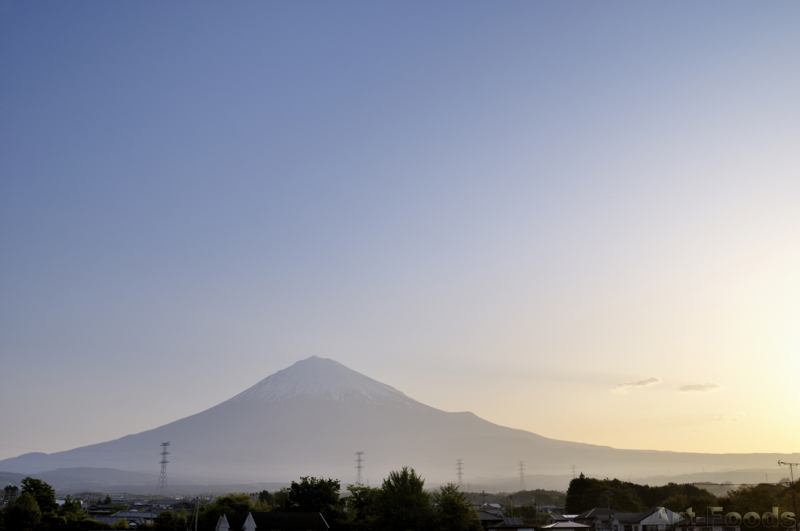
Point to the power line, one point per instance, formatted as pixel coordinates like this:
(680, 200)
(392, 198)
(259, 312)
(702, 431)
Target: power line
(359, 466)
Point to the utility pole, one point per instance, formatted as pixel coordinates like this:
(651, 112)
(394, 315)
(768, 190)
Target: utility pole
(791, 486)
(460, 471)
(162, 478)
(196, 511)
(359, 466)
(608, 494)
(483, 496)
(522, 475)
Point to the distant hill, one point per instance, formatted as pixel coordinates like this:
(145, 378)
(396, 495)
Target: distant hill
(10, 478)
(310, 419)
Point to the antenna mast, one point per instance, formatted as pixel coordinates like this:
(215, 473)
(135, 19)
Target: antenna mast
(359, 466)
(162, 478)
(460, 469)
(791, 485)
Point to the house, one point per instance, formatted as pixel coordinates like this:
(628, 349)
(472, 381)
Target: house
(188, 506)
(599, 519)
(712, 523)
(489, 519)
(551, 509)
(566, 526)
(653, 519)
(555, 518)
(145, 517)
(272, 522)
(231, 522)
(515, 524)
(133, 522)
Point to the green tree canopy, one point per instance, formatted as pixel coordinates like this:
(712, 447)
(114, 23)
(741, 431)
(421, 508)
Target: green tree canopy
(266, 498)
(10, 492)
(229, 504)
(43, 493)
(759, 499)
(169, 521)
(361, 507)
(575, 494)
(313, 495)
(70, 506)
(23, 513)
(452, 511)
(403, 504)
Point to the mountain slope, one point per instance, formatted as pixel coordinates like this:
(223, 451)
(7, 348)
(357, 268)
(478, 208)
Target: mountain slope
(310, 418)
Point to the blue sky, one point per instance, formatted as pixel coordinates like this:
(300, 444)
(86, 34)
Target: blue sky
(485, 205)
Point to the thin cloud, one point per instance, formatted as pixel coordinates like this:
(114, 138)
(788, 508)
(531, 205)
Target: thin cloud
(622, 387)
(724, 417)
(703, 388)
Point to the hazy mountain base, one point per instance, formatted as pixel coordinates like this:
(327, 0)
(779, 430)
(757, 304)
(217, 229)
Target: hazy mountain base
(311, 418)
(74, 480)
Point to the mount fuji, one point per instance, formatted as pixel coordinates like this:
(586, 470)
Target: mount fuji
(311, 418)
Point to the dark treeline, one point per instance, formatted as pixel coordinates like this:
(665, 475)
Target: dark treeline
(401, 503)
(522, 497)
(587, 493)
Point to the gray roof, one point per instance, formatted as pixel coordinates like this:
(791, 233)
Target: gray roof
(596, 512)
(486, 516)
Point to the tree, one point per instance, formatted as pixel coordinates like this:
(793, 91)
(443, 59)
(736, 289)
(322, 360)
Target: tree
(314, 495)
(70, 507)
(10, 492)
(265, 498)
(575, 491)
(43, 493)
(120, 524)
(759, 499)
(169, 521)
(23, 513)
(361, 507)
(623, 497)
(229, 504)
(452, 511)
(403, 504)
(107, 501)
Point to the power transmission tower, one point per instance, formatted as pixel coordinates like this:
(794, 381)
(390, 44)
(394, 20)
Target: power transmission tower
(573, 472)
(522, 475)
(359, 466)
(162, 478)
(460, 469)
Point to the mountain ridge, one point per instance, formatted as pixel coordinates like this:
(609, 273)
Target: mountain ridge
(310, 418)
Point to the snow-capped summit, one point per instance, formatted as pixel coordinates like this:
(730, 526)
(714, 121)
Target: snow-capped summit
(323, 379)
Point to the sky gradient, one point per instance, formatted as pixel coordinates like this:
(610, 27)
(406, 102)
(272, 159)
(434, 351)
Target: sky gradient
(577, 219)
